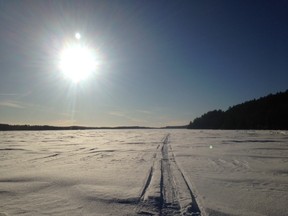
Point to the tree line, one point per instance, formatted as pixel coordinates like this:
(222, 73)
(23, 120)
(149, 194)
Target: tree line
(269, 112)
(8, 127)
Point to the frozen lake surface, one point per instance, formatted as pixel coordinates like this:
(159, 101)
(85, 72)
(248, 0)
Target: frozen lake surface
(144, 172)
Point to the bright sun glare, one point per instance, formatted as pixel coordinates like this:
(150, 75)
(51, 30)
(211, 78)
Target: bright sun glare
(77, 61)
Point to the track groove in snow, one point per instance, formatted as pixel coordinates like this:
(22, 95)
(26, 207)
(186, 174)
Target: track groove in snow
(166, 190)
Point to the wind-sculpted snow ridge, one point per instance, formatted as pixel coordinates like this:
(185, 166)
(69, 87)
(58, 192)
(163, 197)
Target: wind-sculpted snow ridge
(166, 190)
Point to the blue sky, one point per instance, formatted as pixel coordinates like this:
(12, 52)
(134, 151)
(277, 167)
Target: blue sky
(162, 62)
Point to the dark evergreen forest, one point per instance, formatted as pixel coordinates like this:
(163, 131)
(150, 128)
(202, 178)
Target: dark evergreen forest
(269, 112)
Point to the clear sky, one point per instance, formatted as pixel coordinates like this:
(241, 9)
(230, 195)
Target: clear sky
(159, 62)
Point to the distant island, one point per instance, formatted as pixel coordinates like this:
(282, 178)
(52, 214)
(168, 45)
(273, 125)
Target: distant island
(8, 127)
(266, 113)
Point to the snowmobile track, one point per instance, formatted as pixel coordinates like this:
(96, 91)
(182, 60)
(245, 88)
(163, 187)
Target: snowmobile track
(166, 191)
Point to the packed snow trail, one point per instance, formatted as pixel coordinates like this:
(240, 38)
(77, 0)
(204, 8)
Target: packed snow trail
(166, 190)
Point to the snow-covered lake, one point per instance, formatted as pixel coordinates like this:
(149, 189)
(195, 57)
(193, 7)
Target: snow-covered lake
(144, 172)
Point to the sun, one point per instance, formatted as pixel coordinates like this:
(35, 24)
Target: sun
(77, 61)
(77, 35)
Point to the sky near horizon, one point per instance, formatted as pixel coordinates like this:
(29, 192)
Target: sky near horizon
(160, 62)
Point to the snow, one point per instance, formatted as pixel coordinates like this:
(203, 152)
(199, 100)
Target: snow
(245, 173)
(144, 172)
